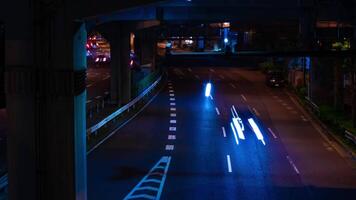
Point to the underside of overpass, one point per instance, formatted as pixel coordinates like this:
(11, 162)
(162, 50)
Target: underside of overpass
(45, 62)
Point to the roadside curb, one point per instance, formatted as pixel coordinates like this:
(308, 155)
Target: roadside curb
(325, 130)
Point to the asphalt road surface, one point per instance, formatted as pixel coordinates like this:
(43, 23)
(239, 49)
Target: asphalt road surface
(182, 146)
(98, 81)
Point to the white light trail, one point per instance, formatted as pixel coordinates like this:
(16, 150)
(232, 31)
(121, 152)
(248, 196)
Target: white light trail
(256, 130)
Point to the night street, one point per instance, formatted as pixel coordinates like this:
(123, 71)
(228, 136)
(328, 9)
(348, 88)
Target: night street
(298, 161)
(178, 100)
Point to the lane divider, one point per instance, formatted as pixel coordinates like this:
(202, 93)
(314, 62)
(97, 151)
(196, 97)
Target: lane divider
(171, 137)
(243, 97)
(173, 109)
(232, 85)
(172, 99)
(169, 147)
(173, 128)
(172, 121)
(229, 167)
(224, 131)
(172, 104)
(173, 114)
(147, 188)
(256, 112)
(273, 134)
(217, 111)
(293, 165)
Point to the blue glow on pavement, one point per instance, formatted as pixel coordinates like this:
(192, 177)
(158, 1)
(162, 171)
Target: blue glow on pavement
(208, 89)
(233, 130)
(226, 40)
(256, 130)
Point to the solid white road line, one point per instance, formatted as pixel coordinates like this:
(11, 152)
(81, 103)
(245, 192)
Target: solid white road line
(172, 104)
(217, 110)
(172, 121)
(243, 97)
(172, 128)
(273, 134)
(224, 131)
(173, 115)
(173, 109)
(256, 112)
(293, 165)
(229, 168)
(169, 147)
(171, 137)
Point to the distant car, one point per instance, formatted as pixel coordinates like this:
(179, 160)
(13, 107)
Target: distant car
(275, 79)
(101, 59)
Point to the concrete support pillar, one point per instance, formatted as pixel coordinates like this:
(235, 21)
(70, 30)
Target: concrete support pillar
(119, 39)
(148, 42)
(45, 88)
(125, 70)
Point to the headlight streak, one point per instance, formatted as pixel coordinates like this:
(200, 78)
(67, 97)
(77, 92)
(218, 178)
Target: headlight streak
(238, 129)
(208, 90)
(256, 130)
(235, 115)
(233, 130)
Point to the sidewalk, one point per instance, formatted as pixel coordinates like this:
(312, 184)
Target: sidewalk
(334, 139)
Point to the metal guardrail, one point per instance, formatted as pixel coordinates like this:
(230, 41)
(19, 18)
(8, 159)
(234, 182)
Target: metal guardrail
(350, 136)
(4, 179)
(3, 182)
(313, 105)
(121, 110)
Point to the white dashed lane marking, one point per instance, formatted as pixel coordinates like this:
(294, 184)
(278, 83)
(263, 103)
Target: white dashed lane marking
(232, 85)
(217, 110)
(173, 109)
(171, 95)
(243, 97)
(172, 99)
(273, 134)
(229, 168)
(172, 128)
(170, 147)
(171, 137)
(293, 165)
(173, 115)
(256, 112)
(172, 104)
(224, 131)
(172, 121)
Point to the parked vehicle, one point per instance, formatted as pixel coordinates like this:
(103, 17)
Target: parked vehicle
(275, 79)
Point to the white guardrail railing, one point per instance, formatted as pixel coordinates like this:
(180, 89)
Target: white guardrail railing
(93, 129)
(96, 127)
(350, 136)
(3, 182)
